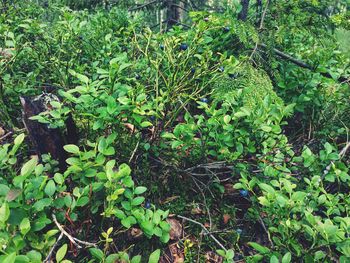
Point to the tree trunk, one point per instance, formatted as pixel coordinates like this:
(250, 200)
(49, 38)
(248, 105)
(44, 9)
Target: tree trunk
(172, 13)
(244, 12)
(45, 139)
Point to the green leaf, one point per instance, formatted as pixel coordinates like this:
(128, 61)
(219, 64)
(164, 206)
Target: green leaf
(81, 77)
(136, 259)
(83, 201)
(274, 259)
(11, 258)
(97, 253)
(137, 201)
(154, 257)
(34, 256)
(259, 248)
(287, 258)
(58, 178)
(230, 254)
(50, 188)
(266, 128)
(140, 190)
(29, 167)
(227, 119)
(61, 253)
(129, 221)
(4, 189)
(4, 212)
(146, 124)
(24, 226)
(267, 188)
(22, 259)
(41, 204)
(71, 148)
(19, 139)
(111, 105)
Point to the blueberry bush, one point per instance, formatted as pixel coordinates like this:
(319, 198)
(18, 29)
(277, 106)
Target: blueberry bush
(220, 137)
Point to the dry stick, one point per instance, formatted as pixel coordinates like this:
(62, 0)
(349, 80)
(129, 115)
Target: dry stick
(303, 64)
(74, 240)
(134, 151)
(47, 259)
(260, 27)
(266, 231)
(204, 229)
(5, 136)
(205, 202)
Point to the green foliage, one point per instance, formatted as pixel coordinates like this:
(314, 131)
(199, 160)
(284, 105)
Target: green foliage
(96, 188)
(153, 108)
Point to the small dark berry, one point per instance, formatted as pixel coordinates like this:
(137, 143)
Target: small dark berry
(206, 19)
(205, 100)
(243, 193)
(148, 205)
(183, 46)
(137, 76)
(193, 70)
(161, 46)
(226, 29)
(152, 118)
(221, 69)
(239, 231)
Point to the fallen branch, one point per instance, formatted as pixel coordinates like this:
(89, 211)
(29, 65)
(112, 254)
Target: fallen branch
(303, 64)
(206, 231)
(74, 240)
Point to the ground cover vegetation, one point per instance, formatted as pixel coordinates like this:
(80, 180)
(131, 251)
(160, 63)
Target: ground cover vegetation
(174, 131)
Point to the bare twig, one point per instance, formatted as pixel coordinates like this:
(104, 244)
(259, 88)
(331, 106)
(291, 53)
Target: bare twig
(5, 136)
(47, 259)
(134, 151)
(205, 202)
(266, 231)
(206, 231)
(74, 240)
(260, 27)
(303, 64)
(344, 150)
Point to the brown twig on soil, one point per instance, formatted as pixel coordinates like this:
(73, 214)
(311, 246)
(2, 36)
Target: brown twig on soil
(206, 231)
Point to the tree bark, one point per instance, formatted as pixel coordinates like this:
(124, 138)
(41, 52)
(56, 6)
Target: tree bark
(172, 13)
(244, 12)
(45, 139)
